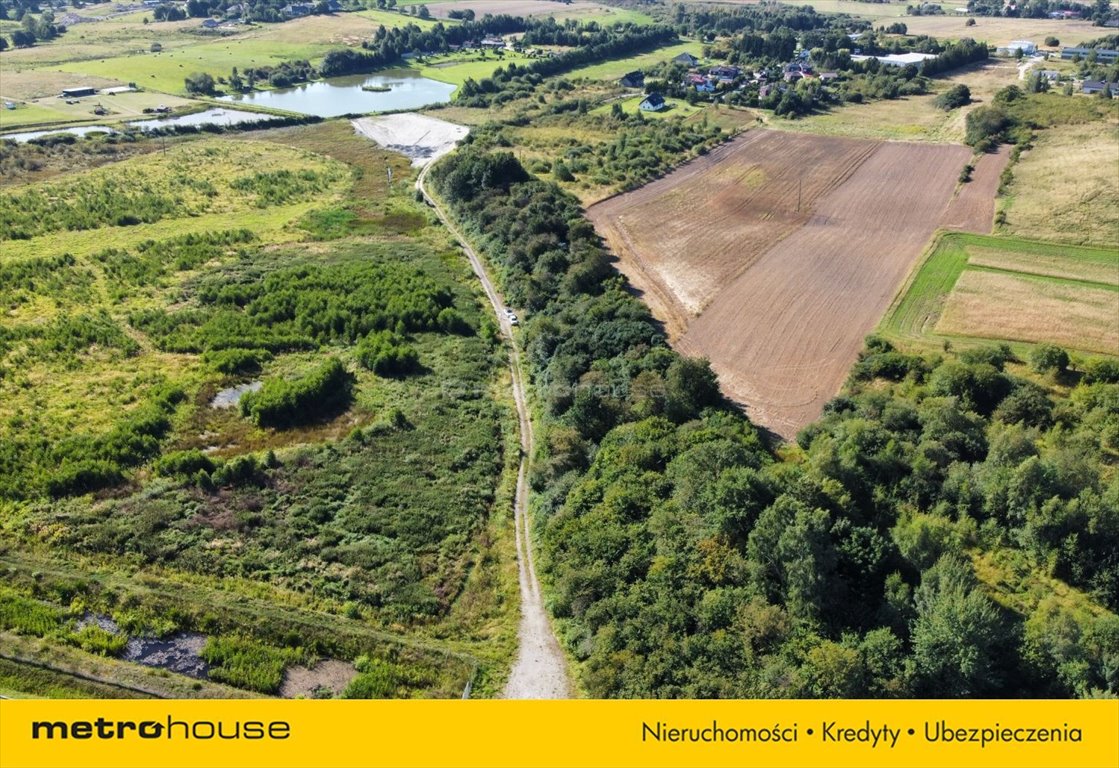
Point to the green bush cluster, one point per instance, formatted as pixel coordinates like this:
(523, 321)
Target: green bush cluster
(955, 97)
(321, 393)
(151, 259)
(247, 663)
(237, 361)
(299, 308)
(184, 464)
(59, 277)
(86, 203)
(380, 679)
(94, 639)
(283, 186)
(33, 464)
(387, 354)
(26, 616)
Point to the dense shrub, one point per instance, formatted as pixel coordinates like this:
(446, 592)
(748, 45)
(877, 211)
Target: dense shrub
(184, 463)
(387, 354)
(1048, 357)
(669, 541)
(236, 361)
(1102, 370)
(321, 393)
(954, 97)
(248, 664)
(299, 308)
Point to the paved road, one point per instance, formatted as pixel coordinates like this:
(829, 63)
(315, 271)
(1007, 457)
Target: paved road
(540, 671)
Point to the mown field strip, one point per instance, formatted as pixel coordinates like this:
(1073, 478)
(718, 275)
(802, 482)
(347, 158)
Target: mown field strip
(1032, 309)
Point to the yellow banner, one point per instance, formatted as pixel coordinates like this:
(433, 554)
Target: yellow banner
(602, 734)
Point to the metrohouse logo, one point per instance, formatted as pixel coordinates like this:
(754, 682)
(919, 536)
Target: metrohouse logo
(104, 729)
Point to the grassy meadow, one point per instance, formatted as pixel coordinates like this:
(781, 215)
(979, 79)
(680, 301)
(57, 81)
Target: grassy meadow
(455, 68)
(615, 68)
(136, 293)
(1064, 187)
(1048, 293)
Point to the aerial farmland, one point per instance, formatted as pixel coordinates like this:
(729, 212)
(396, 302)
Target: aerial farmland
(538, 349)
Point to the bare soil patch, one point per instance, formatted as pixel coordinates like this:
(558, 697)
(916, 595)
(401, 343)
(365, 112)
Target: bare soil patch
(329, 675)
(684, 237)
(973, 207)
(784, 297)
(1031, 309)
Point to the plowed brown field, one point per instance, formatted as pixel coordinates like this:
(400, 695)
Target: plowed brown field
(973, 208)
(779, 299)
(684, 237)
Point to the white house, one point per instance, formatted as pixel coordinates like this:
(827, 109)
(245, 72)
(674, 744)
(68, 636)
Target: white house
(1027, 47)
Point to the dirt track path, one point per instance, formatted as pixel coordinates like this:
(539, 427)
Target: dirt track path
(540, 671)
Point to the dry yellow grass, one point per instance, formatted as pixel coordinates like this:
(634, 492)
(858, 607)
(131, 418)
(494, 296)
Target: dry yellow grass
(1067, 187)
(913, 118)
(1106, 271)
(42, 83)
(998, 30)
(1002, 306)
(338, 29)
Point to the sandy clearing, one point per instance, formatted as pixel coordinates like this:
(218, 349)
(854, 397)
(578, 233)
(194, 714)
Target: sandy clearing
(692, 232)
(973, 207)
(1031, 309)
(419, 137)
(329, 674)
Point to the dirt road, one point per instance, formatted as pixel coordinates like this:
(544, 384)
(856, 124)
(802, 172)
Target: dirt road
(539, 671)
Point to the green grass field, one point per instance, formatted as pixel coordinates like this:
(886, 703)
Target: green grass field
(167, 71)
(120, 107)
(455, 68)
(1046, 292)
(615, 68)
(676, 108)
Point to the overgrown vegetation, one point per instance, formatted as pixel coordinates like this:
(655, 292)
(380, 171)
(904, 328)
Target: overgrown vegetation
(364, 497)
(322, 392)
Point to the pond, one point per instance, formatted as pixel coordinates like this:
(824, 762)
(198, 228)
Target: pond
(180, 652)
(80, 130)
(216, 116)
(228, 398)
(345, 95)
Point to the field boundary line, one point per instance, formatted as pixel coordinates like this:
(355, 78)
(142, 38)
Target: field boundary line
(1075, 281)
(911, 278)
